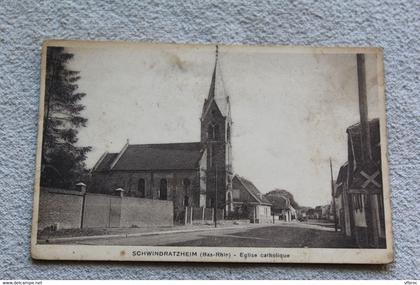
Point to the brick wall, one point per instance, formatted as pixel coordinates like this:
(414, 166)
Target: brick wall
(59, 207)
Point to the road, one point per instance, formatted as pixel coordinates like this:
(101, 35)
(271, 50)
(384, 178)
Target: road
(279, 235)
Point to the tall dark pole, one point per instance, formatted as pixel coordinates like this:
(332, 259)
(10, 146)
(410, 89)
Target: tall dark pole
(215, 197)
(333, 197)
(366, 145)
(363, 109)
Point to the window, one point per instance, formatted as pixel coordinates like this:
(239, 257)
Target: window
(186, 183)
(163, 189)
(141, 188)
(186, 201)
(213, 131)
(216, 132)
(210, 132)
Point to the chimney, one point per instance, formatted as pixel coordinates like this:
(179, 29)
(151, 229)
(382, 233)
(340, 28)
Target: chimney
(363, 109)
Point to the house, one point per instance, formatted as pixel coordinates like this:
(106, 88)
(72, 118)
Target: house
(248, 202)
(282, 204)
(339, 185)
(358, 192)
(288, 213)
(364, 187)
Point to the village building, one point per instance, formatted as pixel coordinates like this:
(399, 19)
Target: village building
(248, 202)
(194, 174)
(282, 206)
(359, 191)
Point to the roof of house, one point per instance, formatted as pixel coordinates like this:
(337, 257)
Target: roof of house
(283, 203)
(356, 144)
(153, 156)
(341, 179)
(252, 189)
(365, 174)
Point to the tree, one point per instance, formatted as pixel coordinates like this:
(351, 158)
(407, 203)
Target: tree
(62, 161)
(275, 197)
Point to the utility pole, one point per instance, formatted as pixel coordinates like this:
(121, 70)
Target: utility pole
(366, 147)
(333, 198)
(215, 196)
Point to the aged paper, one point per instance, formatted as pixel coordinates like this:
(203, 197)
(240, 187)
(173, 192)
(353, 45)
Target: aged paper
(211, 153)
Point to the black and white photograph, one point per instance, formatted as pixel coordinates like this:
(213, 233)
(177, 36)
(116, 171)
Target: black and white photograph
(169, 152)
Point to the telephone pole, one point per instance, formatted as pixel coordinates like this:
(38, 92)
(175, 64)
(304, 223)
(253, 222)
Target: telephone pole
(215, 197)
(333, 198)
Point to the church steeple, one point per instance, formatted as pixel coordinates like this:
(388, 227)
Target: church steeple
(216, 130)
(213, 78)
(217, 91)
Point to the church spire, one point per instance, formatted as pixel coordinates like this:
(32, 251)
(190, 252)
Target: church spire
(213, 78)
(217, 92)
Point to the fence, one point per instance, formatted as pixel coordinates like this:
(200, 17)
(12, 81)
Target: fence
(194, 215)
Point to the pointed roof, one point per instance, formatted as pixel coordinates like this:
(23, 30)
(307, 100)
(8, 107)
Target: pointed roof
(217, 91)
(248, 186)
(170, 156)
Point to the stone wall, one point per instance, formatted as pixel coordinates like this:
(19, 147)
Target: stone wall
(59, 208)
(106, 211)
(63, 209)
(145, 212)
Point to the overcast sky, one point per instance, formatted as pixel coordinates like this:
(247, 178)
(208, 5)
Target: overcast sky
(290, 111)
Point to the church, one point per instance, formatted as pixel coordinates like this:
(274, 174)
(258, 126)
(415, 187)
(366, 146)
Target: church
(194, 174)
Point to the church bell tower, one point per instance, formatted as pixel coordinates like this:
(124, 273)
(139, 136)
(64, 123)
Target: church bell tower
(216, 129)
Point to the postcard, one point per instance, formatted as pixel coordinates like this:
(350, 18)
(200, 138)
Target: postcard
(211, 153)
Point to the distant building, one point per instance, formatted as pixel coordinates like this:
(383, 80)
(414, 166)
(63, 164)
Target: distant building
(248, 202)
(284, 209)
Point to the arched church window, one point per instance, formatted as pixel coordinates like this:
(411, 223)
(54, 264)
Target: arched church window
(216, 132)
(141, 188)
(210, 132)
(186, 201)
(163, 189)
(186, 182)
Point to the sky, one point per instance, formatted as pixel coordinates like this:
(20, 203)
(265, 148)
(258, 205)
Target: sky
(290, 110)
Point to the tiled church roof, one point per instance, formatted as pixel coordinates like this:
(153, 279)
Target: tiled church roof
(106, 161)
(173, 156)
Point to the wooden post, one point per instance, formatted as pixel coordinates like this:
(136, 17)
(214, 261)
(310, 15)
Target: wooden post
(186, 216)
(83, 210)
(202, 214)
(333, 197)
(191, 215)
